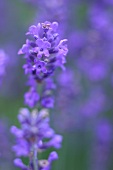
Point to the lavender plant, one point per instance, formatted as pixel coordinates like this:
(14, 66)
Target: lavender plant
(44, 53)
(30, 139)
(85, 83)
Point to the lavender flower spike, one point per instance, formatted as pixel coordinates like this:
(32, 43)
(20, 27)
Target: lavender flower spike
(30, 138)
(45, 51)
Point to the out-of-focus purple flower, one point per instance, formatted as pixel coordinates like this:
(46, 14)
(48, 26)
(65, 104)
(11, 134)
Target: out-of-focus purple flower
(103, 19)
(93, 61)
(54, 142)
(31, 97)
(47, 99)
(98, 70)
(6, 156)
(94, 104)
(49, 84)
(34, 130)
(68, 100)
(52, 156)
(46, 164)
(76, 42)
(18, 162)
(47, 102)
(42, 164)
(101, 146)
(3, 63)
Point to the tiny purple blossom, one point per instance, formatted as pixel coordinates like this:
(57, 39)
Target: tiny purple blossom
(47, 102)
(40, 67)
(46, 164)
(18, 162)
(31, 97)
(54, 142)
(43, 47)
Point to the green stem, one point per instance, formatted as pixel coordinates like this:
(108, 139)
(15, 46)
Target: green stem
(35, 160)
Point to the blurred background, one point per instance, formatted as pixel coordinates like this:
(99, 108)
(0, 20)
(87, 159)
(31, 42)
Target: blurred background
(83, 111)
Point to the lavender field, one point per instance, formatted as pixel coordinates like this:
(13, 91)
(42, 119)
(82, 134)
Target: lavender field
(56, 84)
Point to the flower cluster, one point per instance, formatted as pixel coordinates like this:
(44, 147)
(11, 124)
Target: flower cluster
(35, 136)
(44, 53)
(46, 98)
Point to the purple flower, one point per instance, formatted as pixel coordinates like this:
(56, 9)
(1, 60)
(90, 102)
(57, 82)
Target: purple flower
(34, 130)
(46, 164)
(43, 48)
(40, 67)
(49, 84)
(22, 147)
(31, 97)
(45, 52)
(6, 156)
(95, 103)
(42, 164)
(101, 145)
(47, 99)
(54, 142)
(47, 102)
(18, 162)
(3, 63)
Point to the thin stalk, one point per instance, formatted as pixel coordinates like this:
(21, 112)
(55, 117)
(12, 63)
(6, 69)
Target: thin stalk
(35, 160)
